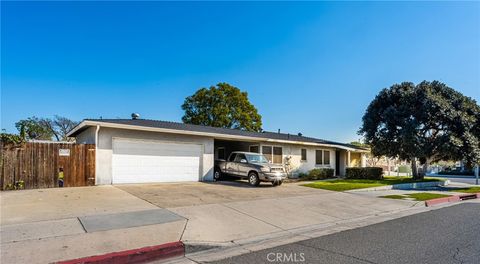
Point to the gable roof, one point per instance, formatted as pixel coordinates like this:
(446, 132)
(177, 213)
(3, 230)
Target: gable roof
(167, 126)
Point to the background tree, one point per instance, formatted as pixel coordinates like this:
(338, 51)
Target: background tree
(45, 128)
(60, 126)
(359, 144)
(426, 122)
(222, 105)
(33, 128)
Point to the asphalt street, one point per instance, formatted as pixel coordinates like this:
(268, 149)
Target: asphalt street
(468, 180)
(447, 235)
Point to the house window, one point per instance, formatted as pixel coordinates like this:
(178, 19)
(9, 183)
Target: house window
(273, 154)
(221, 153)
(277, 155)
(267, 152)
(254, 149)
(318, 157)
(326, 157)
(322, 157)
(303, 154)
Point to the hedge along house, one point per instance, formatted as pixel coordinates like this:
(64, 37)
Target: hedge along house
(147, 151)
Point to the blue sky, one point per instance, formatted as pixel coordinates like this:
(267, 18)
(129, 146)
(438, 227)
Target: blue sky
(308, 67)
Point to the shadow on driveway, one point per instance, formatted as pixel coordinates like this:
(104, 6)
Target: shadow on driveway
(168, 195)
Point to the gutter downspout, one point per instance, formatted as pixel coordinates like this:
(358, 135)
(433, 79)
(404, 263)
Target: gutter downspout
(96, 154)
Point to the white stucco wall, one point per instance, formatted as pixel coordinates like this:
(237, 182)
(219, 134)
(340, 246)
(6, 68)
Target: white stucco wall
(298, 165)
(87, 136)
(104, 149)
(343, 162)
(106, 135)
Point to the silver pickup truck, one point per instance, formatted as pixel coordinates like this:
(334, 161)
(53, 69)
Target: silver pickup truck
(253, 166)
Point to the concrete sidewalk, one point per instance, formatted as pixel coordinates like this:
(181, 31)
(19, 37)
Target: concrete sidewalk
(41, 226)
(47, 225)
(226, 222)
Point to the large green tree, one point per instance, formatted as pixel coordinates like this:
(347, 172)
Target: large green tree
(222, 105)
(34, 128)
(426, 122)
(45, 128)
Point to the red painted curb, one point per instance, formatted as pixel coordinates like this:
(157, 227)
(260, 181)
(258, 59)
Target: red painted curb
(139, 255)
(450, 199)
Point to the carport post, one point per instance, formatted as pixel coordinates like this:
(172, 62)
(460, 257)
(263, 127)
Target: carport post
(348, 158)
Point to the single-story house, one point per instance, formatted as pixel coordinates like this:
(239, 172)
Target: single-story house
(142, 151)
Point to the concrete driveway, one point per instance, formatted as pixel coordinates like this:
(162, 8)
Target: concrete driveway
(232, 210)
(167, 195)
(70, 223)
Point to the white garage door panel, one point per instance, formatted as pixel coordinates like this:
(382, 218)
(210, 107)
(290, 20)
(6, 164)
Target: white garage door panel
(149, 161)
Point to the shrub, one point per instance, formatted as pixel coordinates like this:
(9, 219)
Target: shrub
(10, 139)
(404, 169)
(369, 173)
(302, 175)
(318, 174)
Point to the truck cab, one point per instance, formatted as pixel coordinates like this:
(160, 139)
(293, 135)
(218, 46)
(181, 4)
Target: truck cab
(253, 166)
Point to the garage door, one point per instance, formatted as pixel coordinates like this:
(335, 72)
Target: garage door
(137, 161)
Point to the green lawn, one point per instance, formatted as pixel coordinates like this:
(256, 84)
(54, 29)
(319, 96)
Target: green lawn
(416, 196)
(351, 184)
(394, 196)
(467, 190)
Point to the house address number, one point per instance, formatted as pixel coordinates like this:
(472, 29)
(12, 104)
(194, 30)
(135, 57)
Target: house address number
(64, 152)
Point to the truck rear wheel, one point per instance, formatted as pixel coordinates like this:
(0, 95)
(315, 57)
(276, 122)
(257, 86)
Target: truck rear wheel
(253, 179)
(217, 174)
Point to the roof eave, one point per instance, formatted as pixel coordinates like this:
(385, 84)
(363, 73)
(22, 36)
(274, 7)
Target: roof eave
(72, 133)
(85, 123)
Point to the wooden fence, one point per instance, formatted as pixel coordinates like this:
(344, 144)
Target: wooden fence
(37, 165)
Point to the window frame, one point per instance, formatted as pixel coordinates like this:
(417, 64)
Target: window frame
(322, 159)
(271, 155)
(316, 157)
(323, 155)
(224, 153)
(301, 155)
(250, 148)
(266, 155)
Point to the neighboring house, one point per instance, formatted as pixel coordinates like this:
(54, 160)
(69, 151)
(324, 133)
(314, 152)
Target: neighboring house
(141, 151)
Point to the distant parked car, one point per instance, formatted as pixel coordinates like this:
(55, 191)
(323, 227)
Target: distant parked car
(253, 166)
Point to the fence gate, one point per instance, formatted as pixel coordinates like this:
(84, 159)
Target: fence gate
(37, 165)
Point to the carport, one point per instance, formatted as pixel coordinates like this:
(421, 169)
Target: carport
(223, 148)
(301, 157)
